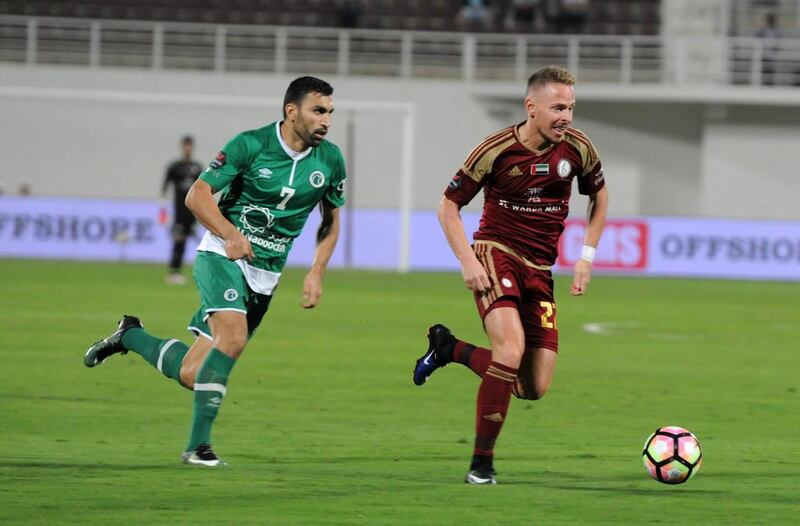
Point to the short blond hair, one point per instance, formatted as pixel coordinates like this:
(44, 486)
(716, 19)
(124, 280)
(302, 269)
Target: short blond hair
(555, 74)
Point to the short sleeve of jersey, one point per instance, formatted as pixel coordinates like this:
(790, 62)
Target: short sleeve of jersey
(478, 167)
(463, 188)
(334, 195)
(591, 178)
(234, 159)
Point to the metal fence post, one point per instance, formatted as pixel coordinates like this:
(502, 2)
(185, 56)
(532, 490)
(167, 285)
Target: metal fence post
(406, 54)
(281, 43)
(469, 48)
(219, 48)
(573, 55)
(755, 62)
(681, 60)
(343, 55)
(158, 46)
(626, 61)
(94, 44)
(30, 45)
(521, 58)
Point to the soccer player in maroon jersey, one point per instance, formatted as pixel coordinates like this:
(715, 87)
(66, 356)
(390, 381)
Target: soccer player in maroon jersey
(526, 173)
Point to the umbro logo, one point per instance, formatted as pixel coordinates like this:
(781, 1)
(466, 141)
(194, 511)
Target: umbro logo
(265, 172)
(494, 417)
(515, 172)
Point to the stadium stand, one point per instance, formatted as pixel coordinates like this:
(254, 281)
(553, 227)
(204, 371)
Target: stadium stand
(631, 17)
(627, 41)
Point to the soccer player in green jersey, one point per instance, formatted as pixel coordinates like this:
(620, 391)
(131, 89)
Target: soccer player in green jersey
(271, 179)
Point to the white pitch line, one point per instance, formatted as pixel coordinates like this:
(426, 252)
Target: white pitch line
(608, 328)
(613, 328)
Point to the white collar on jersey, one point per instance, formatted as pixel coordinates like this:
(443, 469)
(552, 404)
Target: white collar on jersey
(296, 156)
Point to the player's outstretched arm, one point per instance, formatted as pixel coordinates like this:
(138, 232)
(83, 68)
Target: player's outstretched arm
(200, 200)
(327, 235)
(596, 213)
(474, 274)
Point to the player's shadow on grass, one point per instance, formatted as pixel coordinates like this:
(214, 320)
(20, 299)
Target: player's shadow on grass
(676, 491)
(52, 398)
(613, 484)
(354, 459)
(655, 491)
(85, 466)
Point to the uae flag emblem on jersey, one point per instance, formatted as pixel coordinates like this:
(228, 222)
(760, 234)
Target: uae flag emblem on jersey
(540, 169)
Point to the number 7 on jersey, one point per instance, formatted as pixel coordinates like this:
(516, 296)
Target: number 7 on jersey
(287, 194)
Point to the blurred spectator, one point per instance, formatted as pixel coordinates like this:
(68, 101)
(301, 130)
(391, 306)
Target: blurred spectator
(474, 15)
(24, 189)
(349, 12)
(566, 16)
(770, 37)
(524, 13)
(574, 14)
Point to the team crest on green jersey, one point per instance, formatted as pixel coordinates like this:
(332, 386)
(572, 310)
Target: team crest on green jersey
(231, 295)
(316, 179)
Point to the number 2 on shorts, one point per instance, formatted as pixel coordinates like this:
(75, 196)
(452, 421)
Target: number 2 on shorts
(548, 316)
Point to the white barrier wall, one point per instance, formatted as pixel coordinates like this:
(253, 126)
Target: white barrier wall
(661, 158)
(749, 164)
(660, 145)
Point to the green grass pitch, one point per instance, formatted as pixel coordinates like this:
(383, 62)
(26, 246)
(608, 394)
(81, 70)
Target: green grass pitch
(322, 424)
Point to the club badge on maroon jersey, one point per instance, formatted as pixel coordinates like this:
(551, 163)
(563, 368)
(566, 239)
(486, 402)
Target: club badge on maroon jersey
(563, 168)
(219, 161)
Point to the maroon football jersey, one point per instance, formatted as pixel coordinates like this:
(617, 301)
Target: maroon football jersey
(526, 192)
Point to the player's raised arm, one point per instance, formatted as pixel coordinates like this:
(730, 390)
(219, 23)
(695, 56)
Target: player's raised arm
(596, 220)
(327, 235)
(474, 274)
(200, 201)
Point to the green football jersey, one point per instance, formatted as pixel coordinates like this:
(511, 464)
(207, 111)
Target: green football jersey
(268, 191)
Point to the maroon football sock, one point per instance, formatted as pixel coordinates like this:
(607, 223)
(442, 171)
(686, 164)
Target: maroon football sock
(476, 358)
(494, 395)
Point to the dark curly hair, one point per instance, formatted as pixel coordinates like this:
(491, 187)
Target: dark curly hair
(300, 87)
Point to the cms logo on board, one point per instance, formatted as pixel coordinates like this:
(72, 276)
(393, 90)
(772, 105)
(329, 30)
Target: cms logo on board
(622, 247)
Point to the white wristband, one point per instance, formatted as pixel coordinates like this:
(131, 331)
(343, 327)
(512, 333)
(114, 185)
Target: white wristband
(588, 253)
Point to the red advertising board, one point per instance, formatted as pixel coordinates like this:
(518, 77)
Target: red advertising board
(623, 247)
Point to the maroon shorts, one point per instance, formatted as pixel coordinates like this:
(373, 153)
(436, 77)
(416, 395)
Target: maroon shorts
(517, 284)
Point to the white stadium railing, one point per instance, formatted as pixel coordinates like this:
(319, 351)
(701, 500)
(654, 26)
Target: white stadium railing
(404, 54)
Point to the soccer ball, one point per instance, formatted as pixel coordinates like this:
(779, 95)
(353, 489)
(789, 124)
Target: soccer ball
(672, 455)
